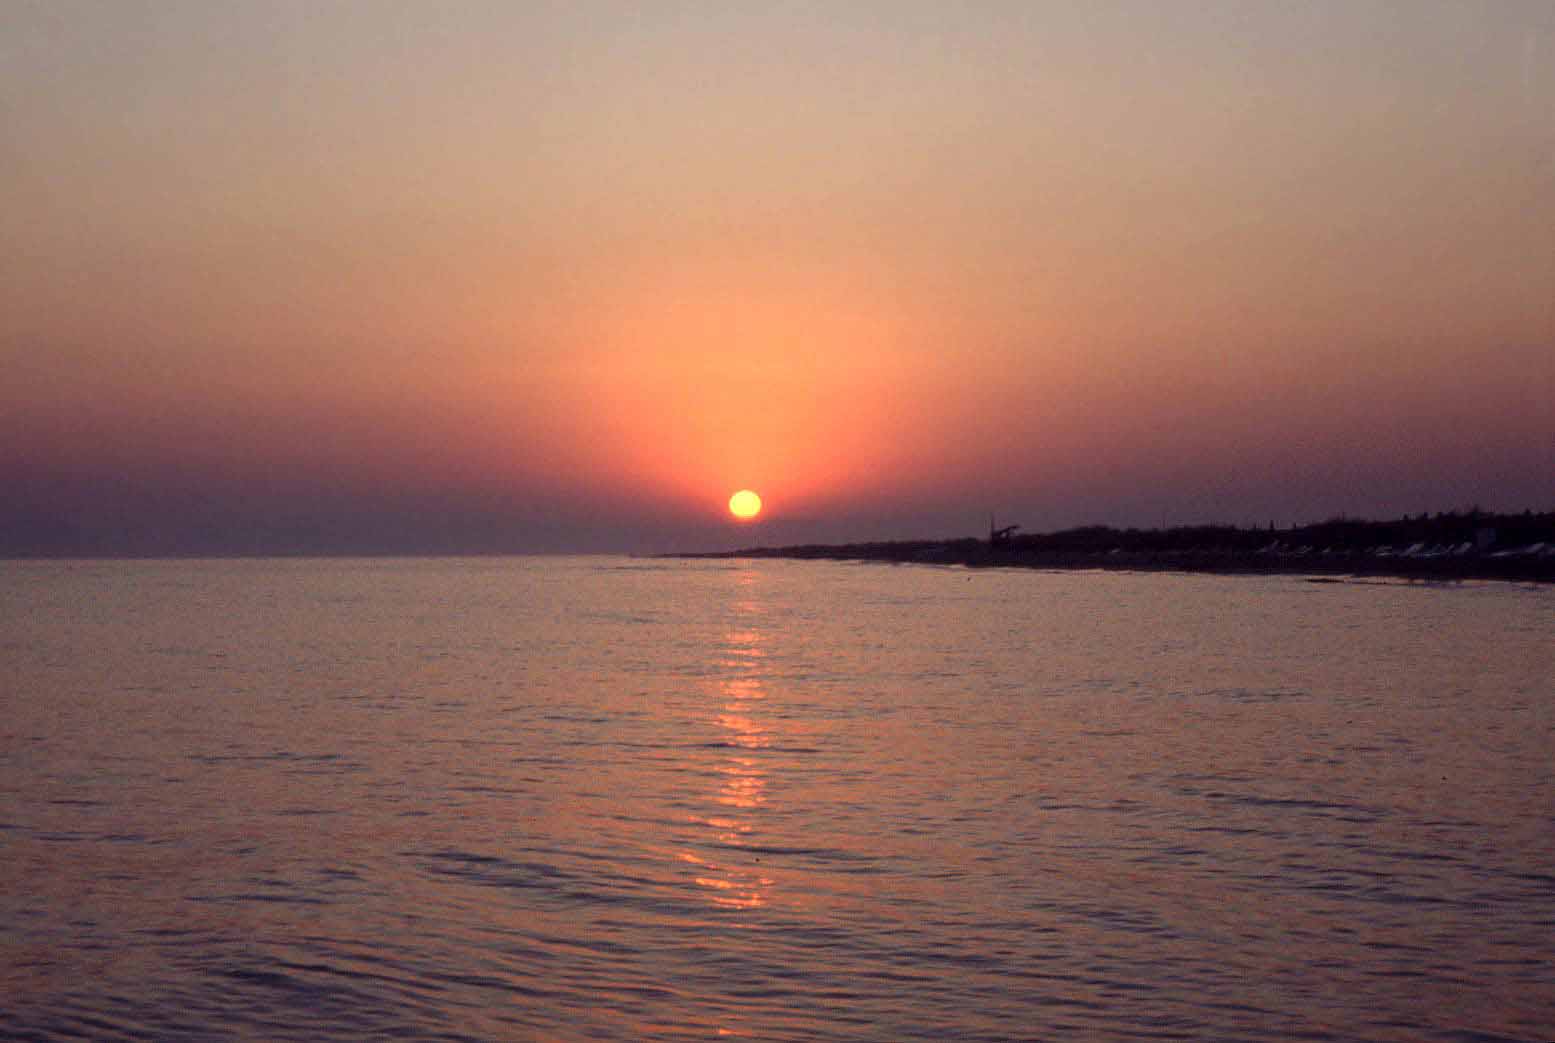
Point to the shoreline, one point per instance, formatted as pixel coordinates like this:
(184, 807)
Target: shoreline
(1332, 566)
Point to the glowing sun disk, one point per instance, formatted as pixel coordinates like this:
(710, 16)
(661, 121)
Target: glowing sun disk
(745, 505)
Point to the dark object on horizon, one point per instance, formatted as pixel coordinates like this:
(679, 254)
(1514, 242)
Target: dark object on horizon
(1000, 537)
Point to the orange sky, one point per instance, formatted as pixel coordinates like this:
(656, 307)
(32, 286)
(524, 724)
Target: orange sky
(552, 277)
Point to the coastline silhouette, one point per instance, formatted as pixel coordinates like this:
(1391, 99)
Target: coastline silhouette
(1446, 546)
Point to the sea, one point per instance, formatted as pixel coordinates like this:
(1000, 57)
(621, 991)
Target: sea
(596, 798)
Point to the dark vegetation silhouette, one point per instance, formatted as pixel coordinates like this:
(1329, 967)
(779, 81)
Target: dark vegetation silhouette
(1465, 544)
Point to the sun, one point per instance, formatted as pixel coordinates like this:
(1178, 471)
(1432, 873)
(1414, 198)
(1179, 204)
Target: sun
(745, 505)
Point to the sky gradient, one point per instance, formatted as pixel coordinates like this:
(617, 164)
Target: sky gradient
(396, 276)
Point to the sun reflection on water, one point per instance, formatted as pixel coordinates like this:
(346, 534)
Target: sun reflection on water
(736, 698)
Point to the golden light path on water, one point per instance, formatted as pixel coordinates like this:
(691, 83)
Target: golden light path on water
(737, 703)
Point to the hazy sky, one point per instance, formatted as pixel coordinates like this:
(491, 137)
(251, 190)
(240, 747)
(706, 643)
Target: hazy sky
(529, 276)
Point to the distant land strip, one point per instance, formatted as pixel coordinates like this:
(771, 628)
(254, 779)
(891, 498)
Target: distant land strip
(1469, 545)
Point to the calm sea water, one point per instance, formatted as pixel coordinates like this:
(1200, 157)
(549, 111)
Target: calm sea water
(598, 798)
